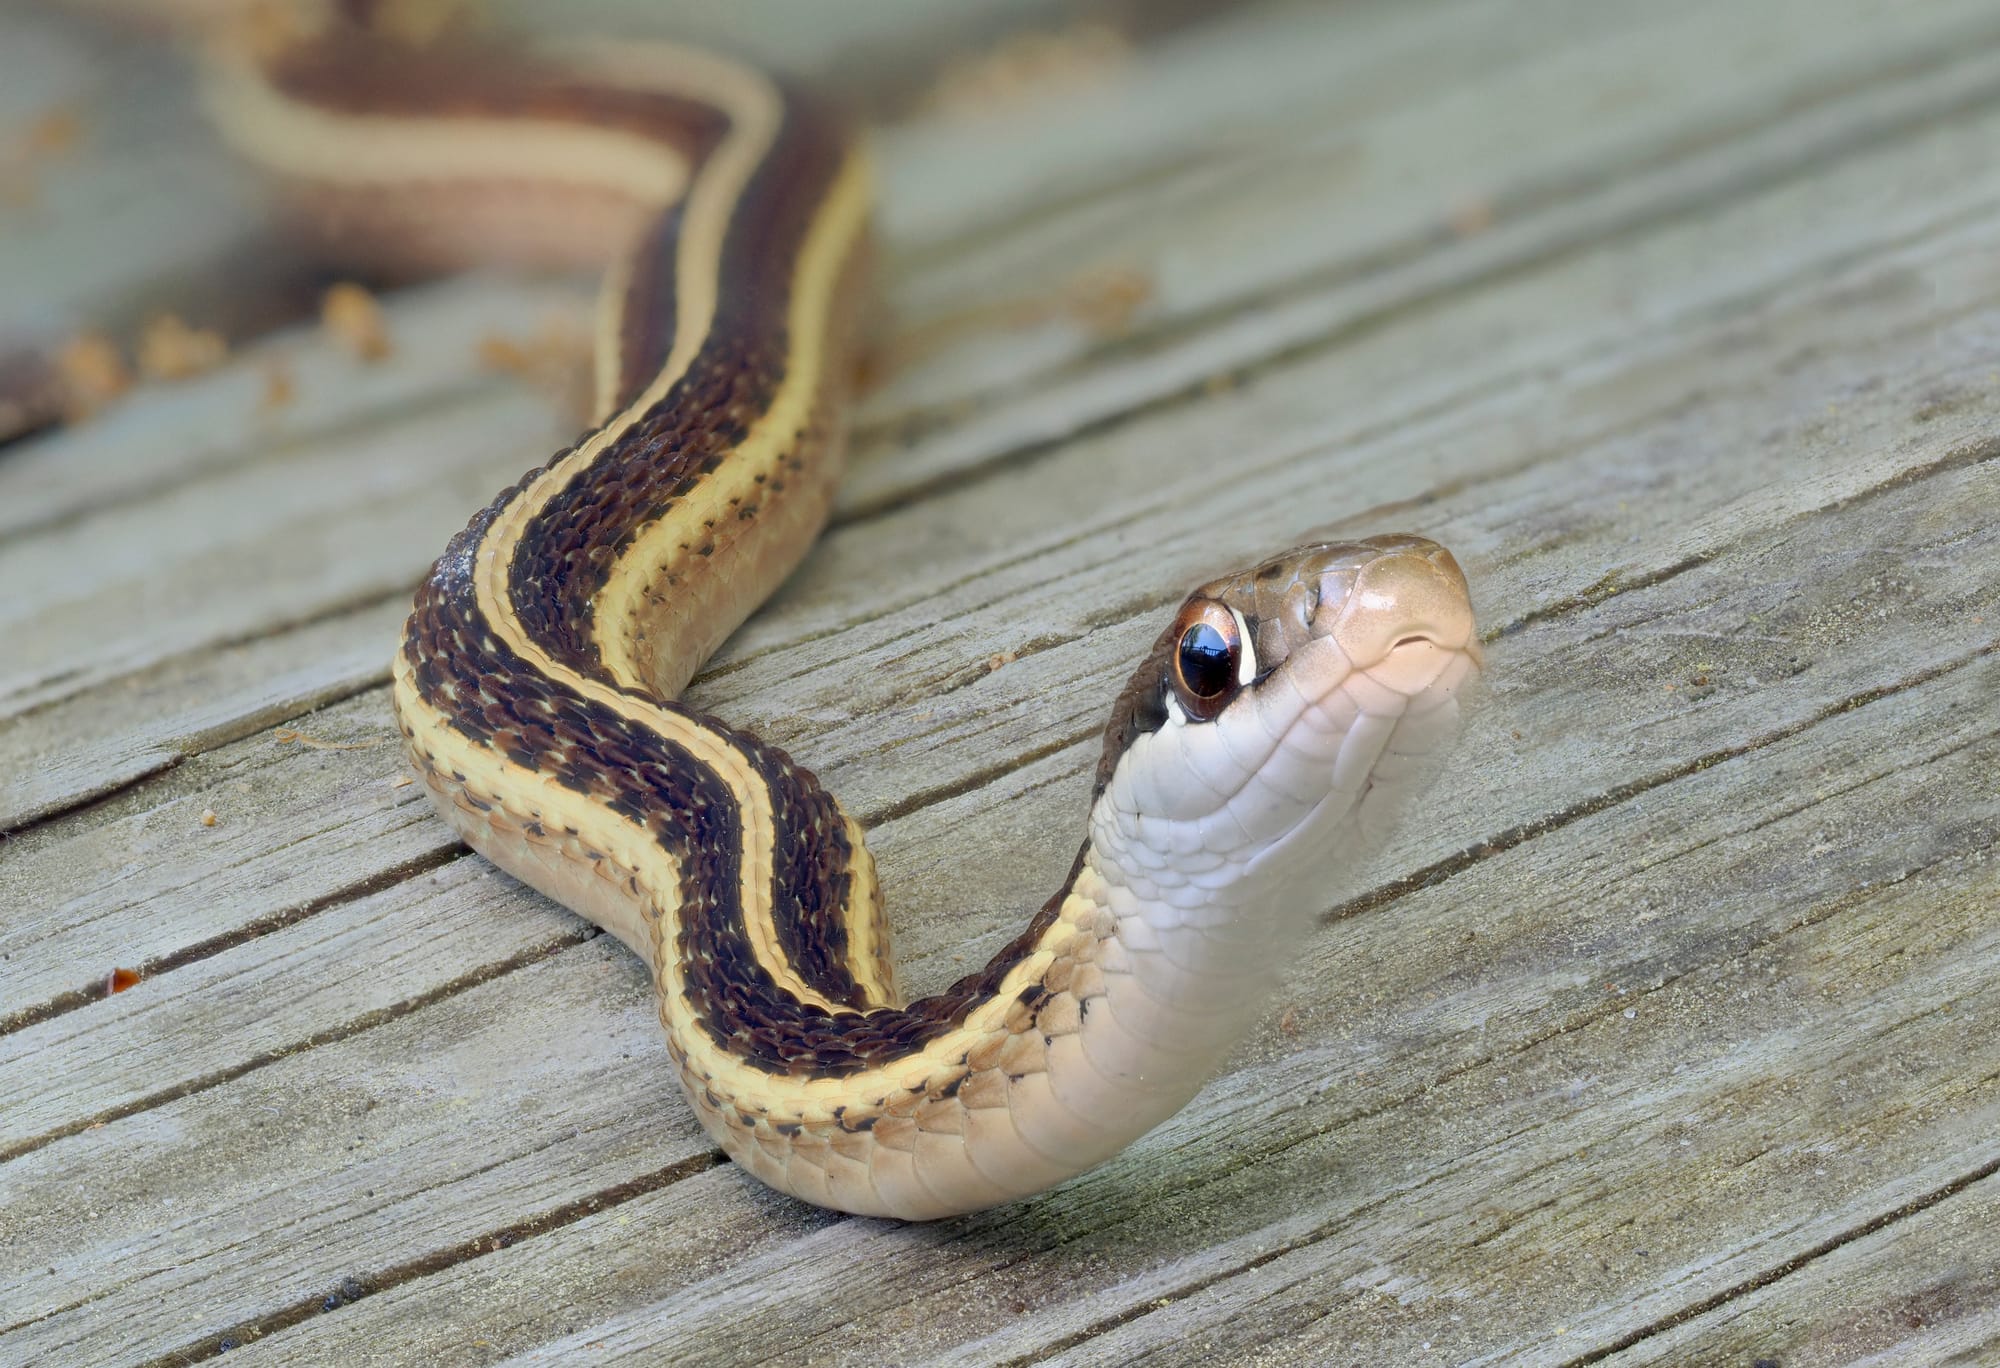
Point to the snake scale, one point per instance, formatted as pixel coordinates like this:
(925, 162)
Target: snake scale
(1272, 732)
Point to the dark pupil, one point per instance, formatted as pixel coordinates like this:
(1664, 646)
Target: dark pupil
(1206, 666)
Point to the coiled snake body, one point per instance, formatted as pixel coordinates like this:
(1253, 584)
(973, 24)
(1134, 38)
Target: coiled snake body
(1284, 713)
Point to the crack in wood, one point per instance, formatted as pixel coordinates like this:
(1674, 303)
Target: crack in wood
(198, 951)
(1671, 202)
(348, 606)
(29, 818)
(969, 782)
(465, 393)
(1881, 1221)
(346, 1030)
(1439, 870)
(355, 1286)
(192, 746)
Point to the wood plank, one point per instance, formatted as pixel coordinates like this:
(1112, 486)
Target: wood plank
(1713, 427)
(935, 643)
(143, 883)
(139, 213)
(215, 452)
(1709, 591)
(1921, 1289)
(1431, 1107)
(222, 425)
(331, 1160)
(1492, 346)
(298, 536)
(1366, 229)
(1299, 242)
(96, 743)
(134, 1052)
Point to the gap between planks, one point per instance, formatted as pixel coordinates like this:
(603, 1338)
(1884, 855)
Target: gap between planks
(1942, 88)
(1916, 1205)
(1675, 185)
(500, 1237)
(1964, 455)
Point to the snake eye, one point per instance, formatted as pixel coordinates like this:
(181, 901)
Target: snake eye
(1208, 655)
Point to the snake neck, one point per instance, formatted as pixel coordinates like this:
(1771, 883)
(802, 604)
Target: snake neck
(1094, 1025)
(537, 682)
(1100, 1021)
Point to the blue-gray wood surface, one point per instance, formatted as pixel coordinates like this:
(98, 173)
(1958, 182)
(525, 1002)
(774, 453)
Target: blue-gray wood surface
(1668, 1032)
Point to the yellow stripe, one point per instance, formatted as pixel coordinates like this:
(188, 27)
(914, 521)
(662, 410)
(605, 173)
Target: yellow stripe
(607, 363)
(363, 149)
(867, 926)
(620, 605)
(754, 114)
(323, 146)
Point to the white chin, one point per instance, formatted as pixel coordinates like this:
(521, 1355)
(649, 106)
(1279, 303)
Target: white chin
(1383, 746)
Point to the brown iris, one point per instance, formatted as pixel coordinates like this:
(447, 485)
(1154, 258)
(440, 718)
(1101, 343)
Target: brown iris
(1207, 649)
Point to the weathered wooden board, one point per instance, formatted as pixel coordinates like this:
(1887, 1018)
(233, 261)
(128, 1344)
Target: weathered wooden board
(1667, 1034)
(1912, 1292)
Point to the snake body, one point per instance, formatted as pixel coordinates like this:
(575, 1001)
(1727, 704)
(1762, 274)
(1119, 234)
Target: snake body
(1286, 712)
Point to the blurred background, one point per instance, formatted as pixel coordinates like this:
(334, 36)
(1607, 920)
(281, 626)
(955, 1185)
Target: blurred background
(1664, 1033)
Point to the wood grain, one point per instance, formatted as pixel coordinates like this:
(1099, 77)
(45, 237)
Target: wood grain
(1668, 1034)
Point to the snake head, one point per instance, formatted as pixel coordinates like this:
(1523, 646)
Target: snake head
(1283, 719)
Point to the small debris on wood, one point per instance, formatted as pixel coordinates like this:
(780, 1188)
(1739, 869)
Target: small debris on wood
(1471, 217)
(556, 361)
(1107, 301)
(50, 136)
(92, 372)
(350, 1289)
(354, 319)
(54, 133)
(170, 349)
(279, 388)
(285, 736)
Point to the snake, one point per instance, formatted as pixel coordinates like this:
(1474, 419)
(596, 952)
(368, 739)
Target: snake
(1279, 724)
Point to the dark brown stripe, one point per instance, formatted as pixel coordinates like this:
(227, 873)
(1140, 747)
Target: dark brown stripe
(568, 551)
(1141, 708)
(353, 73)
(646, 316)
(634, 771)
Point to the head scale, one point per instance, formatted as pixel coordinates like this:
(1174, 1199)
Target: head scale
(1289, 710)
